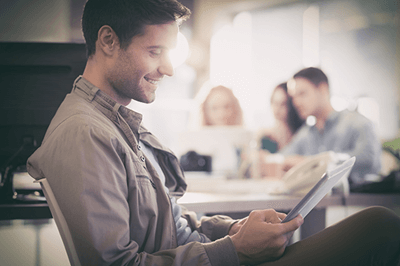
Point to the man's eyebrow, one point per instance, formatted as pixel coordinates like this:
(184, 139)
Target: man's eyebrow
(157, 47)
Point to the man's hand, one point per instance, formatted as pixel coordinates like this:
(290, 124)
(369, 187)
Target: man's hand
(236, 226)
(262, 237)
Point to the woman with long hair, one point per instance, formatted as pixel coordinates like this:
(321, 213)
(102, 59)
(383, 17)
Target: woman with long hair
(287, 120)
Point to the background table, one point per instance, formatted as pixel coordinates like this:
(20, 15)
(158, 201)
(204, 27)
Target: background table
(232, 197)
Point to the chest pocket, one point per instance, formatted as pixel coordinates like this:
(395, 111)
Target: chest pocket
(143, 177)
(142, 185)
(143, 205)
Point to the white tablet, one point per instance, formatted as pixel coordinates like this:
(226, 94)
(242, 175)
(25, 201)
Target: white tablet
(324, 185)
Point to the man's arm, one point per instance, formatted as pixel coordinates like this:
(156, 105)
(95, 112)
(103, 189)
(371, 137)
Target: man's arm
(366, 147)
(214, 227)
(294, 149)
(263, 237)
(295, 146)
(185, 234)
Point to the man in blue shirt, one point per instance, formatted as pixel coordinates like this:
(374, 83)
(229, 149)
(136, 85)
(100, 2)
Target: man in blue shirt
(342, 132)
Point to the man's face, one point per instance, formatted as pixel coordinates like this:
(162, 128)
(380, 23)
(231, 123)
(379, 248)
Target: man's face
(136, 71)
(306, 97)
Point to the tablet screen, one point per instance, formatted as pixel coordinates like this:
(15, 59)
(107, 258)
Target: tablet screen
(324, 185)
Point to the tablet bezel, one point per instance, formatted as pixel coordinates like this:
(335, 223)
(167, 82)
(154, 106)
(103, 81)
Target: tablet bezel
(318, 192)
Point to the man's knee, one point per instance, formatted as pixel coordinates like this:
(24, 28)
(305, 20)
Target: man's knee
(379, 212)
(380, 219)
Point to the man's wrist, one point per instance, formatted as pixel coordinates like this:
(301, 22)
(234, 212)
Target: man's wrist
(242, 258)
(222, 252)
(234, 228)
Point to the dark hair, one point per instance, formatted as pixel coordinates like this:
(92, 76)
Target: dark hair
(293, 119)
(127, 18)
(312, 74)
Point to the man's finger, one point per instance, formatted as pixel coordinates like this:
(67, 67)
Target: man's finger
(281, 215)
(292, 224)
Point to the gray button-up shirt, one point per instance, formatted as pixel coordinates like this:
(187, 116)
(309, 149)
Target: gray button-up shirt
(344, 132)
(112, 198)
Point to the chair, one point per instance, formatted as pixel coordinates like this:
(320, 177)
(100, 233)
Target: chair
(60, 222)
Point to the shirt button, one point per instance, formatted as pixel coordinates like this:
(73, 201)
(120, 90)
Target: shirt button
(139, 147)
(142, 158)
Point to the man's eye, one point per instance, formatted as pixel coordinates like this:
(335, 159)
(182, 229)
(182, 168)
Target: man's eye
(155, 52)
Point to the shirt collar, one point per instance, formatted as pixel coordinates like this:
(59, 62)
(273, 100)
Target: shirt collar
(113, 110)
(107, 105)
(331, 120)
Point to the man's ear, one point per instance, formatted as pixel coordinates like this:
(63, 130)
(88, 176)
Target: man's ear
(107, 40)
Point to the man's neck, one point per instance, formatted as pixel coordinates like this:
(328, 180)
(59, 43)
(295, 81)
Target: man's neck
(95, 75)
(91, 73)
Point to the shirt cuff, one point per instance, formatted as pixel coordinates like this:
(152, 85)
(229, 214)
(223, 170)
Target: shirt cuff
(221, 228)
(222, 252)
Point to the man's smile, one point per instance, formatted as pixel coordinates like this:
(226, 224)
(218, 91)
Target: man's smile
(152, 81)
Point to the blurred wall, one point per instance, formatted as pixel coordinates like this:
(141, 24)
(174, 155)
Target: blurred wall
(42, 20)
(209, 16)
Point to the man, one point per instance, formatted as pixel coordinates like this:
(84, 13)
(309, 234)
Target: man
(112, 178)
(342, 132)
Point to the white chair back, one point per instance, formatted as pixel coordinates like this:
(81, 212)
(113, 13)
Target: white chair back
(60, 222)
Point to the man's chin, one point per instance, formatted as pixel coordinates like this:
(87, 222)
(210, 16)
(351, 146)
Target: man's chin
(149, 100)
(145, 98)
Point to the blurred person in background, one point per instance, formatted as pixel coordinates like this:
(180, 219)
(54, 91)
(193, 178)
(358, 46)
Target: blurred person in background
(219, 132)
(287, 121)
(346, 132)
(221, 108)
(273, 139)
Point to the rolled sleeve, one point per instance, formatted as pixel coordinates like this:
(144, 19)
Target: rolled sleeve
(222, 252)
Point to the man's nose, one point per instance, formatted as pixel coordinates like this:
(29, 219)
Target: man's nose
(166, 67)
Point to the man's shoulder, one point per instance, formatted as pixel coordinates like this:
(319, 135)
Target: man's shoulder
(75, 112)
(353, 118)
(75, 107)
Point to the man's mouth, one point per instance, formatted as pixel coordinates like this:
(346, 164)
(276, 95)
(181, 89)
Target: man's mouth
(152, 81)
